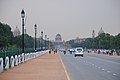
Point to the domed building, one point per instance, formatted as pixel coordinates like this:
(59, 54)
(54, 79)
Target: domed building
(16, 32)
(101, 31)
(58, 38)
(58, 42)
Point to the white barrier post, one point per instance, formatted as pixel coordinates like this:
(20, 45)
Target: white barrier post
(7, 63)
(23, 57)
(16, 60)
(12, 62)
(1, 64)
(28, 56)
(19, 59)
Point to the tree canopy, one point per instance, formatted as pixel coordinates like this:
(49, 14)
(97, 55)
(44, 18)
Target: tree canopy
(8, 40)
(6, 35)
(102, 41)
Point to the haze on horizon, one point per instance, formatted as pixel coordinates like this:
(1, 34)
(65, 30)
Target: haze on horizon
(70, 18)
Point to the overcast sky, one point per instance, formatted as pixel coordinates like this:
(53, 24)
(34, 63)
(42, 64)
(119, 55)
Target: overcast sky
(70, 18)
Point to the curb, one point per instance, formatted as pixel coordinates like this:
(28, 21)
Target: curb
(68, 78)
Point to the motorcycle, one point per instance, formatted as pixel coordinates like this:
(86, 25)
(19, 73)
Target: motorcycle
(64, 52)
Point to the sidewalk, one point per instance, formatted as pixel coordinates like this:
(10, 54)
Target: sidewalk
(45, 67)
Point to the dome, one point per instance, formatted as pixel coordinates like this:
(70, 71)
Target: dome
(101, 31)
(16, 31)
(58, 38)
(58, 35)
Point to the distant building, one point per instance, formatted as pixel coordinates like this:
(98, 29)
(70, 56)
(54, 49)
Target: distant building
(16, 32)
(93, 34)
(58, 38)
(58, 43)
(101, 31)
(79, 40)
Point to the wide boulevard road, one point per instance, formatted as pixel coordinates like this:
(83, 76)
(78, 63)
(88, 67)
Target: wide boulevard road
(91, 67)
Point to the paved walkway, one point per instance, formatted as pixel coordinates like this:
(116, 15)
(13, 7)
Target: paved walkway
(45, 67)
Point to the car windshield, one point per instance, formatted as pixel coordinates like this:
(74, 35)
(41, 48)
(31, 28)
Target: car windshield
(79, 50)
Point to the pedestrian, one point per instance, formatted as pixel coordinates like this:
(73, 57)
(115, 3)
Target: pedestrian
(99, 51)
(49, 51)
(56, 50)
(64, 52)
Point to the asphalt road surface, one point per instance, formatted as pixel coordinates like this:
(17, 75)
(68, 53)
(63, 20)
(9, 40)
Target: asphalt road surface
(91, 67)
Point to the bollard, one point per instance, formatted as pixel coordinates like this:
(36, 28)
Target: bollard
(19, 59)
(28, 56)
(16, 60)
(23, 57)
(1, 64)
(12, 62)
(7, 63)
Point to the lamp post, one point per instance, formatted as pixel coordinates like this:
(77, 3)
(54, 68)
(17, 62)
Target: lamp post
(45, 40)
(48, 42)
(41, 39)
(22, 16)
(35, 35)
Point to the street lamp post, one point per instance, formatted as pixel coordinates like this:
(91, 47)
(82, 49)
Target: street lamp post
(45, 40)
(35, 35)
(48, 42)
(41, 39)
(23, 16)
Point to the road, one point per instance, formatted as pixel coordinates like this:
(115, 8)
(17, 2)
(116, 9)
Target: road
(91, 67)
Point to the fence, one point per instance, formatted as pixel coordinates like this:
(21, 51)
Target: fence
(12, 57)
(15, 51)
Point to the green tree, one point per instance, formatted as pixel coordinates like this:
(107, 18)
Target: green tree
(28, 41)
(6, 35)
(102, 41)
(117, 41)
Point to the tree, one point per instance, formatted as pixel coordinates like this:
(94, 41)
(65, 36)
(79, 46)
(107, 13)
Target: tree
(6, 35)
(117, 41)
(28, 41)
(102, 41)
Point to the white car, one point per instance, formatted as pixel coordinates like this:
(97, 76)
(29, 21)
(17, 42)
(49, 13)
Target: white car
(78, 52)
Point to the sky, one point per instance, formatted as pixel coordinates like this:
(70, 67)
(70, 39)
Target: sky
(70, 18)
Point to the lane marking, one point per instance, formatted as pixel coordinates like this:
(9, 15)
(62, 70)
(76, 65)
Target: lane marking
(103, 69)
(108, 71)
(114, 74)
(99, 67)
(68, 78)
(103, 59)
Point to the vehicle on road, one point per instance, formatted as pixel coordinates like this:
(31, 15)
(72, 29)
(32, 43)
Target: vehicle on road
(71, 50)
(64, 52)
(78, 52)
